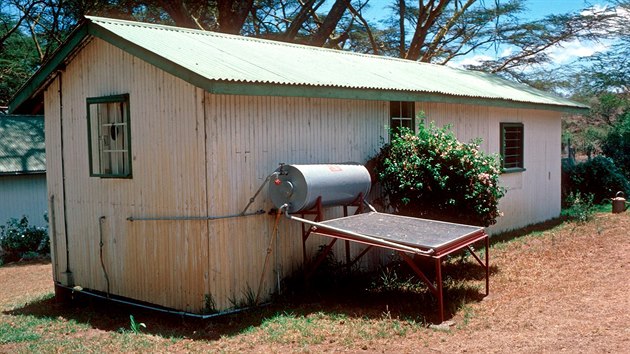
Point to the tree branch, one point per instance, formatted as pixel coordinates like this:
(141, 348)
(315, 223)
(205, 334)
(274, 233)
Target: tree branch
(368, 31)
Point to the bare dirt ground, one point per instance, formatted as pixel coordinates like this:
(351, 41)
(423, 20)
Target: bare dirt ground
(565, 289)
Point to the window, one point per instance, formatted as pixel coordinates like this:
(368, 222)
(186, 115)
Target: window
(512, 146)
(401, 114)
(109, 136)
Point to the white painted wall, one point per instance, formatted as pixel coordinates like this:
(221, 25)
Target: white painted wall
(23, 195)
(532, 195)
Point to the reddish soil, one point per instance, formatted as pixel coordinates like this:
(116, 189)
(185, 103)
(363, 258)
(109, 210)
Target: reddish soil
(567, 289)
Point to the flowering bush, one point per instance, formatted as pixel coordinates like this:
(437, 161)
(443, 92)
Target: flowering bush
(431, 174)
(17, 239)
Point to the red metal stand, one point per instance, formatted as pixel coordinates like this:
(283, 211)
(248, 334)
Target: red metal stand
(317, 210)
(437, 289)
(436, 286)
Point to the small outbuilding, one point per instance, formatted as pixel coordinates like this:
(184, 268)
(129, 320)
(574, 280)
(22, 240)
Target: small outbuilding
(157, 138)
(22, 169)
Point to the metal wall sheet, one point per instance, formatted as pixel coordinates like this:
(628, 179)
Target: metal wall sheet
(247, 137)
(23, 195)
(167, 129)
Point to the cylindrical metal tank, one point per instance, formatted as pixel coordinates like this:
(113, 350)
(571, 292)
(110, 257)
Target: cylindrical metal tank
(299, 186)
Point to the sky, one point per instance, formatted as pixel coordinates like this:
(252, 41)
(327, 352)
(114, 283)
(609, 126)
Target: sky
(536, 9)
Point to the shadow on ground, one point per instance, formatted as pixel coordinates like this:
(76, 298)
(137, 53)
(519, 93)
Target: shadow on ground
(393, 292)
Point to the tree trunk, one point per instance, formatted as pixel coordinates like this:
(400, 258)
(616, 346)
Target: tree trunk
(402, 9)
(330, 23)
(232, 15)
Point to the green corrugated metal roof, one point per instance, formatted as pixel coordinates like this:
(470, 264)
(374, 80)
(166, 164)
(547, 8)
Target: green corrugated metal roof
(223, 63)
(22, 144)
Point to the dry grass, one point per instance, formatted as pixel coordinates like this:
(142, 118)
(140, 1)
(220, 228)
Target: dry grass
(566, 288)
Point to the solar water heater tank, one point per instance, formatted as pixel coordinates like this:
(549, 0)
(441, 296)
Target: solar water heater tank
(299, 186)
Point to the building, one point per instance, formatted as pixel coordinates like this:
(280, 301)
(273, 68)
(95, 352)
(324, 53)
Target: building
(156, 133)
(22, 169)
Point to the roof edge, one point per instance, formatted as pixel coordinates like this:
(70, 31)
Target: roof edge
(284, 90)
(260, 89)
(55, 62)
(35, 84)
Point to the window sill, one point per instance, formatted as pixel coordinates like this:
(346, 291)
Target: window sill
(513, 170)
(128, 176)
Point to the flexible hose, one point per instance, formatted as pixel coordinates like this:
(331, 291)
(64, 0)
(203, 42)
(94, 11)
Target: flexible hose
(269, 250)
(101, 221)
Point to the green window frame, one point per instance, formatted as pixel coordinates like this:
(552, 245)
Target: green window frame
(402, 114)
(109, 136)
(512, 147)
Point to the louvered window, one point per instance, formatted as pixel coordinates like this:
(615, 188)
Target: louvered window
(512, 146)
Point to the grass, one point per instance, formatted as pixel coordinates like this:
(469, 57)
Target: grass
(342, 312)
(17, 333)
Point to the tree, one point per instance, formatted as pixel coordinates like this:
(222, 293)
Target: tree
(18, 58)
(435, 31)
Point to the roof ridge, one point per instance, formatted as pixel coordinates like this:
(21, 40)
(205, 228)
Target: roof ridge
(256, 39)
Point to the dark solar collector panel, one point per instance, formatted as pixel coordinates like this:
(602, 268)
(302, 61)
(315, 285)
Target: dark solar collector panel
(422, 233)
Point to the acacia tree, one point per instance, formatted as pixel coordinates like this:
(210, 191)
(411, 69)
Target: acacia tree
(18, 57)
(435, 31)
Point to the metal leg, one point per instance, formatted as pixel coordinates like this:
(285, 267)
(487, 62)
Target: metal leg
(487, 265)
(320, 259)
(440, 292)
(348, 255)
(419, 272)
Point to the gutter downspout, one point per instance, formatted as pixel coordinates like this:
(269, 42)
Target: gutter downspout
(67, 278)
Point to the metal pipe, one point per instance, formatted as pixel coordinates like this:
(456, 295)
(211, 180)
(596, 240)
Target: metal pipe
(373, 209)
(163, 310)
(101, 221)
(163, 218)
(356, 235)
(252, 199)
(68, 272)
(53, 236)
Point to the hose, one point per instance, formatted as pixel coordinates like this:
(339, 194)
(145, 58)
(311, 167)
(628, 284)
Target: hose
(101, 221)
(269, 251)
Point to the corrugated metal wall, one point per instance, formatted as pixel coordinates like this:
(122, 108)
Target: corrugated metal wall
(198, 154)
(178, 263)
(247, 138)
(532, 195)
(23, 195)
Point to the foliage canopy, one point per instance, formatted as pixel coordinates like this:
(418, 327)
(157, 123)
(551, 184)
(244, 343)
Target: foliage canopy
(435, 31)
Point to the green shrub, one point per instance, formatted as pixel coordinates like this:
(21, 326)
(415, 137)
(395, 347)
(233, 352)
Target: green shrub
(581, 208)
(616, 145)
(599, 177)
(431, 174)
(18, 238)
